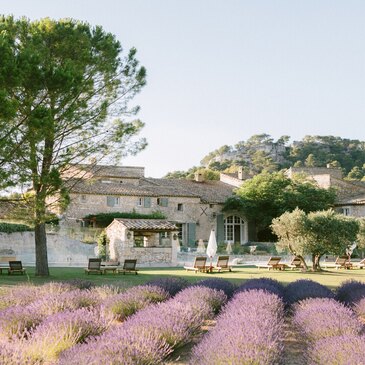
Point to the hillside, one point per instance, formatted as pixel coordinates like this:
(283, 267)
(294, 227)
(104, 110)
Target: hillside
(262, 153)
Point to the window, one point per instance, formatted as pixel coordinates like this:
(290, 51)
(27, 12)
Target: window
(117, 201)
(180, 207)
(345, 211)
(83, 198)
(234, 229)
(140, 202)
(162, 202)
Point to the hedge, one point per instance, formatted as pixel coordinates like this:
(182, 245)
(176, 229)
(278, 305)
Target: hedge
(104, 219)
(12, 227)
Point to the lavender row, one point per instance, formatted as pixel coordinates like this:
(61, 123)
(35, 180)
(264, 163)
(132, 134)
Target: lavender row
(42, 330)
(149, 336)
(333, 331)
(249, 331)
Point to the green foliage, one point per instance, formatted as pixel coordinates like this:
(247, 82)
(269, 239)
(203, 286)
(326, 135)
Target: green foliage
(267, 196)
(356, 173)
(104, 219)
(261, 153)
(316, 233)
(57, 101)
(103, 242)
(12, 227)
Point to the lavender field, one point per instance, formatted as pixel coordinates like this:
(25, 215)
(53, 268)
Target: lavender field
(171, 321)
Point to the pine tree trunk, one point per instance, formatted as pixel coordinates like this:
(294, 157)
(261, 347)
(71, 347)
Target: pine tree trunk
(41, 257)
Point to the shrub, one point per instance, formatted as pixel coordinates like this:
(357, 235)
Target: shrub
(171, 285)
(219, 284)
(270, 285)
(11, 354)
(125, 304)
(104, 219)
(199, 295)
(19, 295)
(304, 289)
(339, 350)
(70, 300)
(322, 317)
(247, 332)
(360, 308)
(80, 283)
(12, 227)
(16, 321)
(350, 292)
(62, 331)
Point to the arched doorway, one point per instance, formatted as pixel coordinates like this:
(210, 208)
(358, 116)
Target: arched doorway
(234, 230)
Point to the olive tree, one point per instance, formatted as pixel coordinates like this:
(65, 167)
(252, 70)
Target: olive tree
(65, 89)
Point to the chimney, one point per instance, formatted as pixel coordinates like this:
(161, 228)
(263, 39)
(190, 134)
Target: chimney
(240, 173)
(198, 176)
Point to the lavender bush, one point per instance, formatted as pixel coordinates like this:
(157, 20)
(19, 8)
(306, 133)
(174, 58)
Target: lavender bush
(69, 300)
(16, 321)
(322, 317)
(339, 350)
(62, 331)
(247, 332)
(270, 285)
(19, 295)
(80, 283)
(219, 284)
(171, 285)
(360, 308)
(304, 289)
(125, 304)
(200, 295)
(122, 345)
(148, 336)
(350, 292)
(11, 354)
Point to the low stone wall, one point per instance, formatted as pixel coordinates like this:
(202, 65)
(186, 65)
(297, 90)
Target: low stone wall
(147, 256)
(62, 250)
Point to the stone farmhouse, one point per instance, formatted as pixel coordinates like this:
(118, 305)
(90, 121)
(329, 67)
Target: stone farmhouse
(193, 206)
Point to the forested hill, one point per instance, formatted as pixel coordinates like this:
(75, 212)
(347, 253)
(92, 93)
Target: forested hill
(262, 153)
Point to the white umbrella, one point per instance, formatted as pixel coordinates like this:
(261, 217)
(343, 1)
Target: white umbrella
(229, 248)
(212, 246)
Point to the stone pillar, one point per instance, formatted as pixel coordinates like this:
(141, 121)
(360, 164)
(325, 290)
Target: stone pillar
(175, 247)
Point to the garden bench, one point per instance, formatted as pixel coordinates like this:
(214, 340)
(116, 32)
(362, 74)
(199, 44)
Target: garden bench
(199, 265)
(94, 267)
(273, 263)
(16, 267)
(222, 264)
(128, 266)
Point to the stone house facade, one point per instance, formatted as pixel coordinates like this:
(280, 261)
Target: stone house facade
(194, 206)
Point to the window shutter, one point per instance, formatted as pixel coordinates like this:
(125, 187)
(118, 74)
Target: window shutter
(191, 234)
(110, 201)
(220, 228)
(164, 202)
(147, 202)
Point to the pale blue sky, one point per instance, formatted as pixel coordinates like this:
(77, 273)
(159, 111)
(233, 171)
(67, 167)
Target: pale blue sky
(220, 71)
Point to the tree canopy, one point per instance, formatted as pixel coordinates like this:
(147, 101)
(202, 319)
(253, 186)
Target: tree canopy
(267, 196)
(316, 233)
(65, 89)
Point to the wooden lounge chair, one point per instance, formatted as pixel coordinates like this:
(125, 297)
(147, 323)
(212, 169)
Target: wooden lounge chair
(222, 264)
(128, 266)
(360, 264)
(199, 264)
(16, 267)
(342, 262)
(273, 263)
(296, 263)
(94, 267)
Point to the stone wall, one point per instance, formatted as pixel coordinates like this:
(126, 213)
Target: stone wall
(62, 251)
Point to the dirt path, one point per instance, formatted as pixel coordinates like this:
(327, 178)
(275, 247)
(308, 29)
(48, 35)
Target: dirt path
(294, 345)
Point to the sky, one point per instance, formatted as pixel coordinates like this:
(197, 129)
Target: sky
(220, 71)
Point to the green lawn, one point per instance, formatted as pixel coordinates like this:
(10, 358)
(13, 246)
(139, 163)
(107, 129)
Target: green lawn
(330, 278)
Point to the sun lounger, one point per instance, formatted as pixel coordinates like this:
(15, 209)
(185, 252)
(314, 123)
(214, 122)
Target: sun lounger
(360, 264)
(16, 267)
(199, 264)
(94, 267)
(342, 262)
(296, 263)
(273, 263)
(128, 266)
(222, 264)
